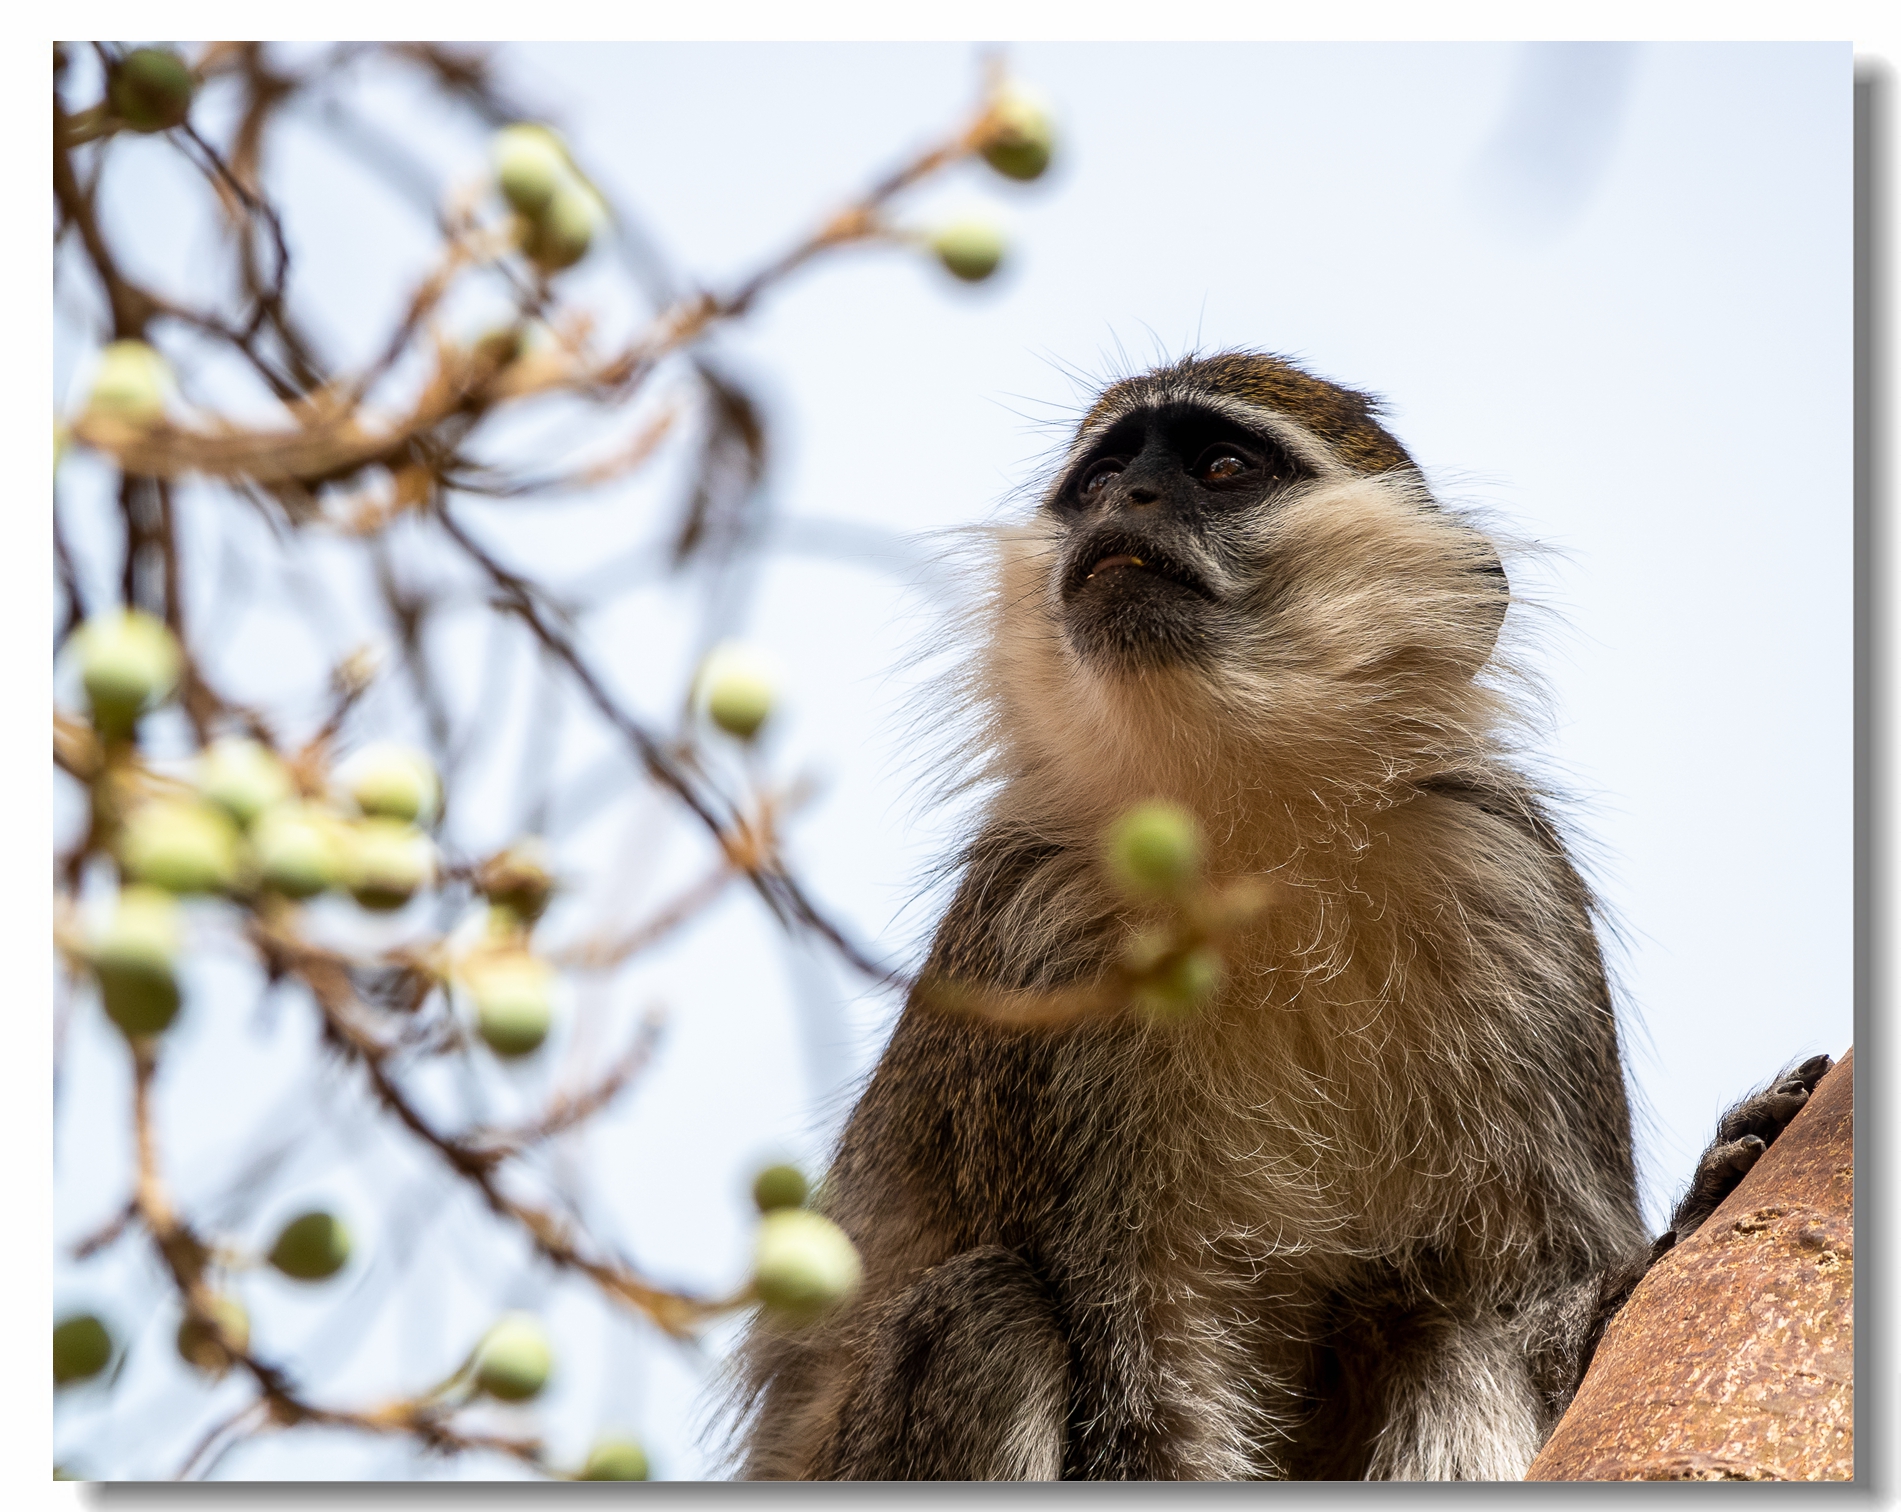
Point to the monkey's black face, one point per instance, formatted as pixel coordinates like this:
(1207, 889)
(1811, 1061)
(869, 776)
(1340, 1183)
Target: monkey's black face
(1154, 512)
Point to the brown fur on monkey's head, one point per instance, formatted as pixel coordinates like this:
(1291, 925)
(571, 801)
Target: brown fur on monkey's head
(1345, 419)
(1238, 592)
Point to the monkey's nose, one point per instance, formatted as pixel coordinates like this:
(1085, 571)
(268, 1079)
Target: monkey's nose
(1140, 495)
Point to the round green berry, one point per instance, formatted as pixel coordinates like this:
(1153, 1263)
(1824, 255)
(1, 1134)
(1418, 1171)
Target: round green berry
(387, 862)
(132, 383)
(393, 781)
(299, 850)
(618, 1459)
(133, 955)
(1183, 986)
(561, 233)
(128, 663)
(243, 777)
(970, 249)
(513, 1360)
(199, 1346)
(513, 993)
(1022, 134)
(803, 1264)
(82, 1347)
(1155, 850)
(311, 1247)
(151, 89)
(181, 845)
(779, 1186)
(738, 686)
(531, 163)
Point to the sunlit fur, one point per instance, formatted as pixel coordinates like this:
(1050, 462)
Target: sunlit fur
(1399, 1132)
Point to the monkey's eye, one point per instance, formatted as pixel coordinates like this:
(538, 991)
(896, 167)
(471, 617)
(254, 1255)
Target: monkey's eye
(1094, 479)
(1221, 464)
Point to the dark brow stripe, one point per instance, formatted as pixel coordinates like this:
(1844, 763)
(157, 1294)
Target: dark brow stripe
(1344, 418)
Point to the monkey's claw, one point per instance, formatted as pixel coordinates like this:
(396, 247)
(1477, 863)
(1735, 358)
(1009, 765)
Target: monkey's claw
(1767, 1114)
(1742, 1135)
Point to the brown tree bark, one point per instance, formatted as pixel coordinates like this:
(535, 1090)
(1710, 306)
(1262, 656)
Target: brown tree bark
(1734, 1358)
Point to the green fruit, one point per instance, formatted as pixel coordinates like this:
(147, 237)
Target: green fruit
(394, 782)
(131, 383)
(803, 1265)
(299, 850)
(151, 89)
(387, 862)
(132, 955)
(1184, 985)
(779, 1186)
(312, 1247)
(971, 249)
(560, 235)
(1155, 850)
(615, 1459)
(1023, 134)
(82, 1347)
(500, 347)
(514, 1001)
(519, 879)
(243, 777)
(198, 1346)
(531, 163)
(181, 845)
(513, 1360)
(128, 662)
(738, 686)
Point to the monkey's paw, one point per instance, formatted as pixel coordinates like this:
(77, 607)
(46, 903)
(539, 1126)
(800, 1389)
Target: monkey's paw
(1743, 1133)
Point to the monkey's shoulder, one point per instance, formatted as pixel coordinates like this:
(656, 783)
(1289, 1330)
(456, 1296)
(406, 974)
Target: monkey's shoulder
(1027, 913)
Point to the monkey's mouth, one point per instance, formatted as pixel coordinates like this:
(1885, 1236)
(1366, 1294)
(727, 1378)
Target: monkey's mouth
(1126, 564)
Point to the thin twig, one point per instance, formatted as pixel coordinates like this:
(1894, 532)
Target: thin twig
(599, 954)
(781, 894)
(569, 1109)
(330, 989)
(108, 1232)
(186, 1258)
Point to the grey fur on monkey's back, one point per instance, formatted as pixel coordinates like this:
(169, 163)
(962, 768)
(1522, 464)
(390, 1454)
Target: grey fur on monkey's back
(1357, 1218)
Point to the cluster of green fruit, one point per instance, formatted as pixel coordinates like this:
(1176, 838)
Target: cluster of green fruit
(245, 829)
(558, 211)
(804, 1265)
(1154, 853)
(1019, 139)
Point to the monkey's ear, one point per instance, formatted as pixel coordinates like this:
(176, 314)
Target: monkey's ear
(1492, 596)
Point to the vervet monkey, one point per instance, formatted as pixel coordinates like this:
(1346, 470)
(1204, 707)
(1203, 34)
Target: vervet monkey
(1365, 1213)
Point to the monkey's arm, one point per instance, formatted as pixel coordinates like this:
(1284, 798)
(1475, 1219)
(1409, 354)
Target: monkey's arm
(951, 1363)
(964, 1377)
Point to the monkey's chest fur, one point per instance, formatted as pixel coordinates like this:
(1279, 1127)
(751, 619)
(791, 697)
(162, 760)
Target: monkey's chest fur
(1244, 1230)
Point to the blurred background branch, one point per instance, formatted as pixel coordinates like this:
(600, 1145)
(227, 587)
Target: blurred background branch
(322, 839)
